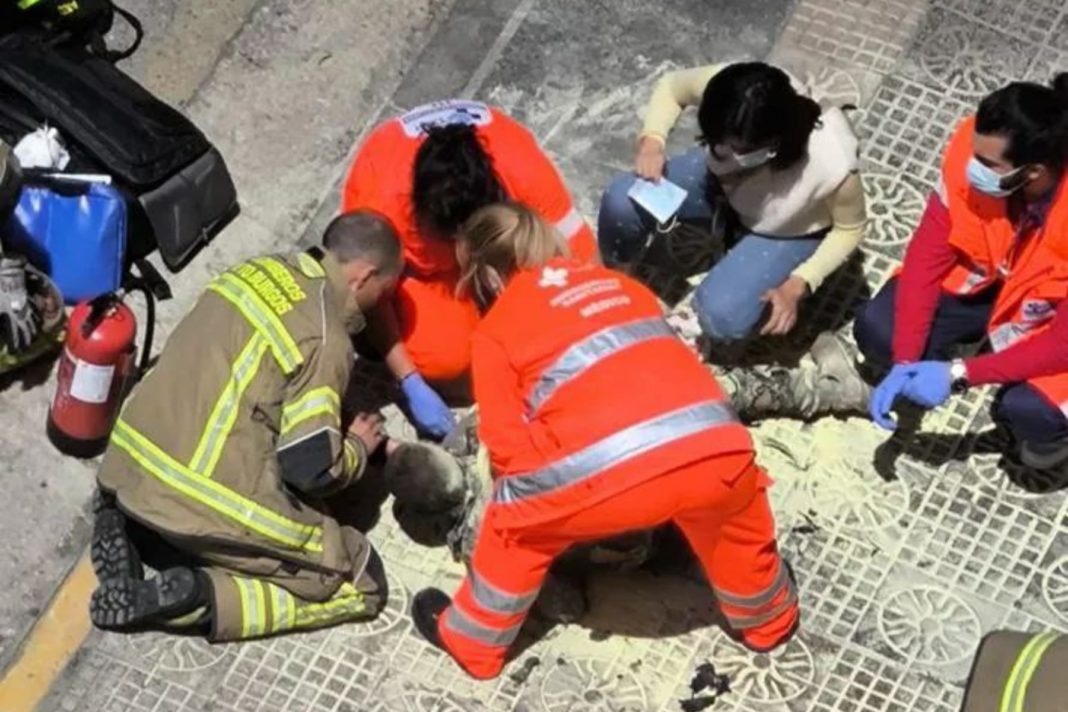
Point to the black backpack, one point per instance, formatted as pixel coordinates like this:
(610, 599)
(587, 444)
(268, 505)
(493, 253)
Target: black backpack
(178, 189)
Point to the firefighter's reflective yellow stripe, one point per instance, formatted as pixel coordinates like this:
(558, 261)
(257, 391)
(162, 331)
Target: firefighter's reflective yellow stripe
(253, 607)
(352, 456)
(320, 401)
(192, 618)
(347, 603)
(283, 277)
(262, 319)
(310, 266)
(283, 608)
(27, 4)
(1015, 692)
(213, 495)
(224, 414)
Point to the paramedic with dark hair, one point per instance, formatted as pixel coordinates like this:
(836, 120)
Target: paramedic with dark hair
(428, 171)
(989, 262)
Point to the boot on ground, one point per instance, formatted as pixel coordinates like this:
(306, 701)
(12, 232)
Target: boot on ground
(125, 603)
(824, 383)
(112, 553)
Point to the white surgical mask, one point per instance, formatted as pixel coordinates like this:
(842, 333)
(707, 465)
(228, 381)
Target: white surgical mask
(735, 162)
(986, 180)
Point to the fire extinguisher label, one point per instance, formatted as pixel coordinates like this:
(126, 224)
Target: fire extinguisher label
(91, 383)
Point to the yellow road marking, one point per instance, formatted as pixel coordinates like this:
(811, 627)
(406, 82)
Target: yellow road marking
(54, 638)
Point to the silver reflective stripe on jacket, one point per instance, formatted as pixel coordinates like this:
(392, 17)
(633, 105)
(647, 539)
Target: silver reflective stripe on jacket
(1006, 335)
(615, 449)
(592, 349)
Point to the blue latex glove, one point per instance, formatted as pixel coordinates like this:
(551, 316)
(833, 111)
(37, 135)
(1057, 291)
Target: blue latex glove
(882, 399)
(929, 384)
(427, 410)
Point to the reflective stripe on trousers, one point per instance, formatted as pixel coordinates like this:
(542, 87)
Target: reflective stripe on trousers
(1014, 693)
(267, 608)
(759, 608)
(463, 624)
(211, 494)
(592, 349)
(615, 450)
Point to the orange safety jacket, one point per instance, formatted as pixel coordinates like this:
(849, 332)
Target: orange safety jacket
(381, 179)
(1033, 272)
(585, 391)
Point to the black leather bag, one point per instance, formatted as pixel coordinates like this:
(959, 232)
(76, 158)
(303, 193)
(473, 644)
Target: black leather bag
(177, 184)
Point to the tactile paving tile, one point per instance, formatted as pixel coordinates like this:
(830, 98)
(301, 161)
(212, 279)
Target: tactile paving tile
(906, 128)
(1052, 57)
(110, 685)
(858, 682)
(968, 538)
(870, 34)
(839, 576)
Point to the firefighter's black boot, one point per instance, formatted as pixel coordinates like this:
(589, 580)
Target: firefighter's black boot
(112, 553)
(125, 603)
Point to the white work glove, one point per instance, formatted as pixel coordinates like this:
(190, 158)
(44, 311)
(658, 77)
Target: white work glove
(19, 320)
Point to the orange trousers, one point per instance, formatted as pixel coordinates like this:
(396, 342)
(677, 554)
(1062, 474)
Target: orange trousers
(436, 326)
(729, 526)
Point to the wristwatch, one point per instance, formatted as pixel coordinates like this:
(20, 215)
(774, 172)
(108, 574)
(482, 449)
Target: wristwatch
(958, 375)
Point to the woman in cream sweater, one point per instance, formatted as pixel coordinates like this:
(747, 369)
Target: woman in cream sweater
(786, 166)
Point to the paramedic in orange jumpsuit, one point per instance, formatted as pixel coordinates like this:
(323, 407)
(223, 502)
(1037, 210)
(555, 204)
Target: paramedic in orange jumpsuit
(598, 420)
(428, 171)
(990, 259)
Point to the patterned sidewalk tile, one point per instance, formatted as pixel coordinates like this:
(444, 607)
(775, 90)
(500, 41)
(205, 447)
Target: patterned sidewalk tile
(1033, 21)
(962, 58)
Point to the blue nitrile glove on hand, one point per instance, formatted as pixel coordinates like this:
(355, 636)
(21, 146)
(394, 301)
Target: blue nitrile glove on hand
(427, 410)
(884, 395)
(927, 384)
(930, 384)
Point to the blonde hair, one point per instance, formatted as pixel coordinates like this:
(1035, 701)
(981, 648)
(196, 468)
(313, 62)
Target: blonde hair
(502, 239)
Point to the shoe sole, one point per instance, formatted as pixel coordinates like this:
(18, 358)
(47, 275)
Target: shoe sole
(112, 553)
(128, 603)
(426, 609)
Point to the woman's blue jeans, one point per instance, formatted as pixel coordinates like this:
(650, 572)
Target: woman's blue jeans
(728, 300)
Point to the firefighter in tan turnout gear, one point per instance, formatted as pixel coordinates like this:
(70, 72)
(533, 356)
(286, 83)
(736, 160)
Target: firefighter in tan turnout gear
(230, 446)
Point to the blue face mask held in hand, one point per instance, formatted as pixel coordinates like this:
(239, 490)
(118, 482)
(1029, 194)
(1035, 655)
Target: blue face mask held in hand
(661, 199)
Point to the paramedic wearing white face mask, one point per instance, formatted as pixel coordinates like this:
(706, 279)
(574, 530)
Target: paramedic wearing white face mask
(786, 167)
(988, 263)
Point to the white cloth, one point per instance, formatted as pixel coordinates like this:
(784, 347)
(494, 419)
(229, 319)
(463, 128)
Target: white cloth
(793, 202)
(42, 149)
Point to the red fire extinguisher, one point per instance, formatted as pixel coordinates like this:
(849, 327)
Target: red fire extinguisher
(96, 370)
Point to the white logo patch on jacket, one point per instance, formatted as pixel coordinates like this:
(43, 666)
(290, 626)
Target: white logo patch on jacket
(444, 113)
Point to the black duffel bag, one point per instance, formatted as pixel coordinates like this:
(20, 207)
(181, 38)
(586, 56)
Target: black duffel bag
(179, 190)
